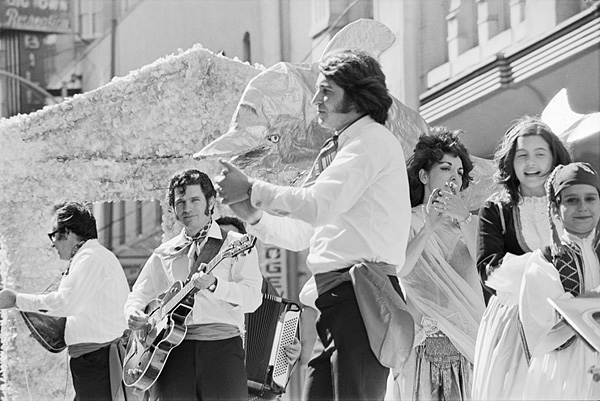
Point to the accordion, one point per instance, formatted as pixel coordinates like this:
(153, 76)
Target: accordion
(268, 330)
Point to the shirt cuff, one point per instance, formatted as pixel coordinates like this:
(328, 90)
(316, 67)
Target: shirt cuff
(27, 302)
(262, 194)
(261, 228)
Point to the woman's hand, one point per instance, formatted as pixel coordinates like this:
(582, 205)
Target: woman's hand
(449, 203)
(434, 213)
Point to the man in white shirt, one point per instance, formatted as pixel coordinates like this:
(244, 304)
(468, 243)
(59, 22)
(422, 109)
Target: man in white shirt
(209, 362)
(91, 296)
(353, 208)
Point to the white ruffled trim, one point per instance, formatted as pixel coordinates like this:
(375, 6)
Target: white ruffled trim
(507, 278)
(535, 227)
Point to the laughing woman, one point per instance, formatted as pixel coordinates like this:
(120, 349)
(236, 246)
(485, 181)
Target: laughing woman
(439, 275)
(512, 224)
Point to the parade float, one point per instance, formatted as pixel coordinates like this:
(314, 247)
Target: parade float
(124, 140)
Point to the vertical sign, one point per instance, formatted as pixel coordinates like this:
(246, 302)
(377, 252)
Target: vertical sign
(273, 265)
(33, 51)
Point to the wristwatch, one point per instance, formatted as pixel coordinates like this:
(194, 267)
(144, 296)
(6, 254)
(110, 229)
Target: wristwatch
(466, 220)
(213, 286)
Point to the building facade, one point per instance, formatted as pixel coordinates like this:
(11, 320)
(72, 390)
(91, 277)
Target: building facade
(474, 65)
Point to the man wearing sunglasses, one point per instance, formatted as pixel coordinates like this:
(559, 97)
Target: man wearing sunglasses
(91, 295)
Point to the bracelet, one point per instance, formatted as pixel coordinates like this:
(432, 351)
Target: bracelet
(466, 220)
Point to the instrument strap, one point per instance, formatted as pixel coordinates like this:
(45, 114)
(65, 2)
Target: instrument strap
(209, 251)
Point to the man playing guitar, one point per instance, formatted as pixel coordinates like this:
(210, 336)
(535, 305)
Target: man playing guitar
(209, 362)
(91, 296)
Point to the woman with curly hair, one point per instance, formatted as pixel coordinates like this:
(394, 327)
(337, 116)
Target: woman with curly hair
(512, 224)
(439, 274)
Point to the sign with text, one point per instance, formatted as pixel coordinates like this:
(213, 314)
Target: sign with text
(33, 53)
(51, 16)
(273, 265)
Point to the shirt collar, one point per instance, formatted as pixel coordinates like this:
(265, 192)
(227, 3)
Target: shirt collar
(354, 129)
(580, 241)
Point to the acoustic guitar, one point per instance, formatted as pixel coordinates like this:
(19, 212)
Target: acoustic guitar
(49, 331)
(148, 348)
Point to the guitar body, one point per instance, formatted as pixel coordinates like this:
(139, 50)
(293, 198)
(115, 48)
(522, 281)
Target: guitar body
(49, 331)
(147, 351)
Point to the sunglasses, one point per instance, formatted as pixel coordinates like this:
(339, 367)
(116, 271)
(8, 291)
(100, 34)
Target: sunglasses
(52, 235)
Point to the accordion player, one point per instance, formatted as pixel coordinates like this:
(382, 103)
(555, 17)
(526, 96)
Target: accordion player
(268, 330)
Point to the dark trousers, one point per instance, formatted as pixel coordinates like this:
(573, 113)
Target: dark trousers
(205, 370)
(343, 367)
(91, 376)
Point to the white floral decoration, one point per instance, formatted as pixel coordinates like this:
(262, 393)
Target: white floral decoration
(122, 141)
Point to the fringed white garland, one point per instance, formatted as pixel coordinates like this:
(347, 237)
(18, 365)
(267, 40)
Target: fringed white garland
(119, 142)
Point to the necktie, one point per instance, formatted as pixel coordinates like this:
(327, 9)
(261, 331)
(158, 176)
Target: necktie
(324, 159)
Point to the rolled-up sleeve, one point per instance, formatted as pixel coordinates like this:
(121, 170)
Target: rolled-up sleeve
(243, 291)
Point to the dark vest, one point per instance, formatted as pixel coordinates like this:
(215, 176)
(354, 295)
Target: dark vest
(569, 265)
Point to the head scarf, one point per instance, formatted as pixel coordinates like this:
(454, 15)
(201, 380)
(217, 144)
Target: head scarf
(561, 178)
(574, 174)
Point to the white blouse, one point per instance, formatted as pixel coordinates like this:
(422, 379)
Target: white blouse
(535, 226)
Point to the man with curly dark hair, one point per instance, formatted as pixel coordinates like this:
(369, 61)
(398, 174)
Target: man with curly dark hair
(208, 364)
(352, 212)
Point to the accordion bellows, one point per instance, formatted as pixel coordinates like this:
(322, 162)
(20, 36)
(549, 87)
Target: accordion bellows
(268, 330)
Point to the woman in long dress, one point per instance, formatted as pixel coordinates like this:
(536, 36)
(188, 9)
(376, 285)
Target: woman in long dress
(560, 363)
(439, 275)
(512, 223)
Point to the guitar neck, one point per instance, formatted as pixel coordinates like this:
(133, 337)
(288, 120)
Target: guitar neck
(188, 289)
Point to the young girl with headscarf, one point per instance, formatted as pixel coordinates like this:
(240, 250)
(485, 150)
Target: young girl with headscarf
(567, 268)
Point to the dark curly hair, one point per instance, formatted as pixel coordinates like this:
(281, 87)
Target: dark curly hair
(360, 76)
(430, 150)
(182, 179)
(77, 218)
(505, 154)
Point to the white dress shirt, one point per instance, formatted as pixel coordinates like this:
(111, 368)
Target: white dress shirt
(91, 297)
(238, 289)
(357, 210)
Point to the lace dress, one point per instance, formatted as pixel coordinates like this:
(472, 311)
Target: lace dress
(500, 364)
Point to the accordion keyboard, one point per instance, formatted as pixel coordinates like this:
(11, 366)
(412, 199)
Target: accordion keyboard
(268, 330)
